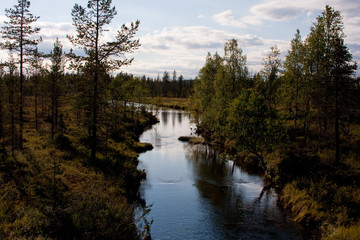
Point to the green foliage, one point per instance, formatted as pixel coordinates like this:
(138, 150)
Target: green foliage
(255, 127)
(270, 76)
(204, 91)
(295, 86)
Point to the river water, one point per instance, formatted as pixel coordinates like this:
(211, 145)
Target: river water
(195, 195)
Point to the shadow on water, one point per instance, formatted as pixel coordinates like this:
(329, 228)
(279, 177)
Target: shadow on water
(240, 204)
(197, 195)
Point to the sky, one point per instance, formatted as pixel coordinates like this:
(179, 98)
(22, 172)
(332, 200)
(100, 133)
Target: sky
(178, 35)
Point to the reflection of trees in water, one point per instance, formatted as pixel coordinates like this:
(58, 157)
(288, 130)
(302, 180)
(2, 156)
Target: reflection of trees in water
(155, 137)
(213, 175)
(164, 117)
(173, 117)
(207, 164)
(180, 117)
(228, 208)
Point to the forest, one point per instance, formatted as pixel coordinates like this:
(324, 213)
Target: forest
(69, 128)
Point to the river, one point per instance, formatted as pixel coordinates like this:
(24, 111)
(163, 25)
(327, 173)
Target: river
(195, 195)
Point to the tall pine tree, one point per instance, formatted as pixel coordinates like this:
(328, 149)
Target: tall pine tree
(56, 72)
(90, 23)
(18, 34)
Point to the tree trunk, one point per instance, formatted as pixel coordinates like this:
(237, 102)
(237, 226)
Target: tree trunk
(337, 131)
(94, 119)
(21, 46)
(21, 111)
(52, 107)
(12, 113)
(1, 113)
(36, 110)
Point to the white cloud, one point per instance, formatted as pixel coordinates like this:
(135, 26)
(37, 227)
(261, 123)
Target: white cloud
(185, 49)
(200, 16)
(280, 10)
(252, 20)
(227, 18)
(50, 31)
(276, 11)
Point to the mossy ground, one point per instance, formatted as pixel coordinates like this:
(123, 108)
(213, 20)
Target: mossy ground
(51, 189)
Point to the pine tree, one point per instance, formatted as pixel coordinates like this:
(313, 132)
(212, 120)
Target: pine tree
(36, 66)
(90, 23)
(56, 72)
(18, 33)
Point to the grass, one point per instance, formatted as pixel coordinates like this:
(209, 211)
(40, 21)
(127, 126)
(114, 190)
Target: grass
(52, 190)
(174, 103)
(317, 191)
(343, 233)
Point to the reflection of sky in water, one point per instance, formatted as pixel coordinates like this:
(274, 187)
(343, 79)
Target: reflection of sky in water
(195, 195)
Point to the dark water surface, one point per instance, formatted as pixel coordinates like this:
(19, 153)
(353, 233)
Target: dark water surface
(195, 195)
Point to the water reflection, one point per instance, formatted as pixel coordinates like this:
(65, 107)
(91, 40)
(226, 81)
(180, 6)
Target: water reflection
(164, 117)
(180, 116)
(239, 204)
(196, 195)
(173, 117)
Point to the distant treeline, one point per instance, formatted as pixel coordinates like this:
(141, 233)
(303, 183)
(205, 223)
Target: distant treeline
(166, 86)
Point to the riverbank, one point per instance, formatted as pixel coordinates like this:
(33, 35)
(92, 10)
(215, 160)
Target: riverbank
(196, 194)
(320, 195)
(53, 190)
(167, 102)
